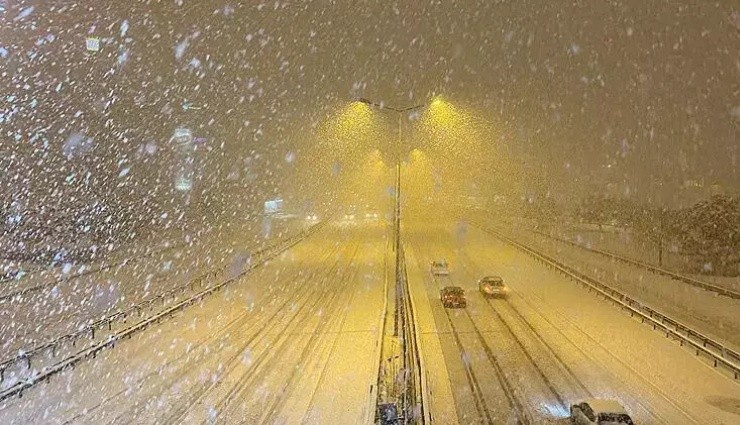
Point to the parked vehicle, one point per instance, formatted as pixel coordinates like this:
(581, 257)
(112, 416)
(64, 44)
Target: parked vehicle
(493, 287)
(599, 412)
(453, 297)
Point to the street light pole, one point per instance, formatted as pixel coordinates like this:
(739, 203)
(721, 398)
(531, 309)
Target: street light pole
(400, 328)
(398, 188)
(397, 208)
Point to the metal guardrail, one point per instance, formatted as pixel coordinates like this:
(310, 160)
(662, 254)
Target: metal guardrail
(408, 407)
(374, 400)
(47, 373)
(406, 403)
(691, 281)
(107, 322)
(719, 354)
(414, 409)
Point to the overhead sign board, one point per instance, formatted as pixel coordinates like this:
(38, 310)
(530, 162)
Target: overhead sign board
(92, 44)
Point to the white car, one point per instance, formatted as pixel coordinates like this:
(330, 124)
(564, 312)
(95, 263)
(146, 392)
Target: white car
(439, 268)
(599, 412)
(493, 287)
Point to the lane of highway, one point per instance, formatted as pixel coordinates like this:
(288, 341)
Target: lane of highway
(482, 394)
(564, 347)
(71, 303)
(523, 391)
(616, 355)
(144, 364)
(241, 351)
(701, 309)
(334, 385)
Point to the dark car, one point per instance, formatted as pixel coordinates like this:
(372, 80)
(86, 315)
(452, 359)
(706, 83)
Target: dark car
(599, 412)
(453, 297)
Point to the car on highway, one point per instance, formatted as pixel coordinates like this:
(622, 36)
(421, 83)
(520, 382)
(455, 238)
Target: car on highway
(493, 287)
(599, 412)
(387, 414)
(453, 297)
(440, 268)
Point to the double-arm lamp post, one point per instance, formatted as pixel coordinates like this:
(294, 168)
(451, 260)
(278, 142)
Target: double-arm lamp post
(400, 112)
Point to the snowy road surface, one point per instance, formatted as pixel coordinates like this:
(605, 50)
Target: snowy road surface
(295, 342)
(712, 314)
(65, 304)
(296, 337)
(549, 344)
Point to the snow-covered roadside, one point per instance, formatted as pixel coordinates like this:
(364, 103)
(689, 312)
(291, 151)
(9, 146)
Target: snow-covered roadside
(66, 305)
(705, 311)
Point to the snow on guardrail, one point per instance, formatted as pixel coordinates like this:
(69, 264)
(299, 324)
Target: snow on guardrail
(691, 281)
(23, 381)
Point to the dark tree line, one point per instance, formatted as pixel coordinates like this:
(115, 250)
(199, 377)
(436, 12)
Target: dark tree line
(708, 232)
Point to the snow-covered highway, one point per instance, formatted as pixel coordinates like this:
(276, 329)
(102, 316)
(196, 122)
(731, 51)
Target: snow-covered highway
(296, 341)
